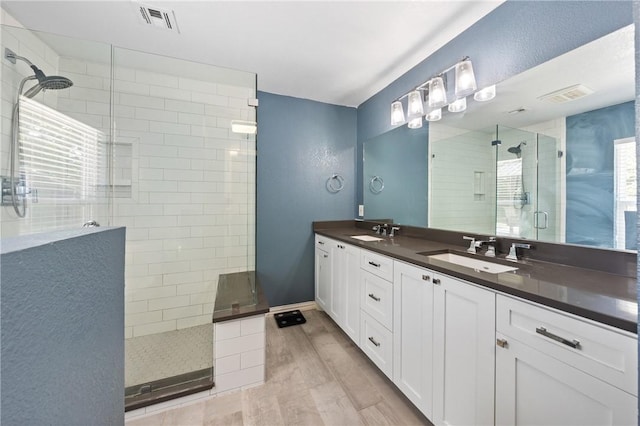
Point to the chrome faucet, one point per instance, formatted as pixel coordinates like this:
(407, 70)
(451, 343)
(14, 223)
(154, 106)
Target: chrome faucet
(393, 231)
(472, 244)
(377, 228)
(513, 255)
(384, 229)
(491, 249)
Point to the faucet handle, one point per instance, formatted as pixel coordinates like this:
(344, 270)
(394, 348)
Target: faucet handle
(393, 230)
(513, 255)
(376, 228)
(472, 244)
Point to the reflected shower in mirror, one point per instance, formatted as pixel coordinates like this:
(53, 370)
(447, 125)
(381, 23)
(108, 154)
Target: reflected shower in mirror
(543, 160)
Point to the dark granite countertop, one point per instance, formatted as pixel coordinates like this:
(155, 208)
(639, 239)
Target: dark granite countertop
(239, 295)
(601, 296)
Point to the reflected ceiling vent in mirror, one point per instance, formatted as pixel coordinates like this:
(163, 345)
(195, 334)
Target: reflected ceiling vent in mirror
(567, 94)
(156, 17)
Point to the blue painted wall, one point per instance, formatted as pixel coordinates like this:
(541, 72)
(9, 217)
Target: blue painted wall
(514, 37)
(590, 197)
(399, 157)
(62, 358)
(301, 143)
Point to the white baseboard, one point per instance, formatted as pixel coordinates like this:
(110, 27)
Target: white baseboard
(304, 306)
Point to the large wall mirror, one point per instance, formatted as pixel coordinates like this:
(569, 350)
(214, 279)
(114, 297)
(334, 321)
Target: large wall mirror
(557, 168)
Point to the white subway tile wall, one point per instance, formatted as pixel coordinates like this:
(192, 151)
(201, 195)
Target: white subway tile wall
(184, 187)
(455, 156)
(239, 349)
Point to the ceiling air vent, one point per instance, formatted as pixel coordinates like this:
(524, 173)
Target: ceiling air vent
(159, 18)
(567, 94)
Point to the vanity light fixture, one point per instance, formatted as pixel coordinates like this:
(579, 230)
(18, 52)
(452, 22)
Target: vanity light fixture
(458, 105)
(465, 78)
(485, 94)
(415, 109)
(415, 123)
(437, 92)
(434, 115)
(397, 113)
(434, 92)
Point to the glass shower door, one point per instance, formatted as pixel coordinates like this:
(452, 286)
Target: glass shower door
(528, 185)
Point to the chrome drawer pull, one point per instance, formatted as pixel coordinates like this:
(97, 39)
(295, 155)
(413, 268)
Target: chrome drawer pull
(377, 265)
(340, 246)
(575, 344)
(436, 281)
(325, 255)
(372, 340)
(426, 277)
(373, 296)
(321, 242)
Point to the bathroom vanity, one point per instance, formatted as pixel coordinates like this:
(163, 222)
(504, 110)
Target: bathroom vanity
(545, 343)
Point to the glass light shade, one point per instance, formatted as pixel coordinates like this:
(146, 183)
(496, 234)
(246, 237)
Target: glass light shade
(415, 123)
(434, 115)
(459, 105)
(415, 108)
(437, 93)
(397, 113)
(485, 94)
(465, 79)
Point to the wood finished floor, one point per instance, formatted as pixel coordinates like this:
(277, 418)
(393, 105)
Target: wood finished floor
(315, 376)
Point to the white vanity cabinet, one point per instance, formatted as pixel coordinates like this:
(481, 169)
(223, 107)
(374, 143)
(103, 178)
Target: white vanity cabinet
(556, 368)
(337, 281)
(413, 337)
(322, 273)
(463, 353)
(345, 288)
(444, 346)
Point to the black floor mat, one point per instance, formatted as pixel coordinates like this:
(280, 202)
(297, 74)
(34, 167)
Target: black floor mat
(289, 318)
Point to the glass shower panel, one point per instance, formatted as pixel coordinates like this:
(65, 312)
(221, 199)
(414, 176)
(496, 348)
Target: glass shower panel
(185, 190)
(516, 181)
(58, 179)
(548, 218)
(529, 202)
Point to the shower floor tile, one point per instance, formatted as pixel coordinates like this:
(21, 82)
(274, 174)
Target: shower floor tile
(157, 356)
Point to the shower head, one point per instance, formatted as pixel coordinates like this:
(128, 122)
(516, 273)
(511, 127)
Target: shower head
(53, 82)
(517, 150)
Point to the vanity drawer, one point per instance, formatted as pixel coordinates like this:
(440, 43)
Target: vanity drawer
(377, 342)
(377, 298)
(323, 242)
(596, 349)
(377, 264)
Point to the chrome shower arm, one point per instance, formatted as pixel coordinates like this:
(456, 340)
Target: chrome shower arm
(11, 56)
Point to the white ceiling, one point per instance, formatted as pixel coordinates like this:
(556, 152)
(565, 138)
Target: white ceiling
(336, 52)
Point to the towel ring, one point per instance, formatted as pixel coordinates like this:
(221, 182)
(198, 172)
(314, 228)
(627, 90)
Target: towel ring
(335, 183)
(376, 184)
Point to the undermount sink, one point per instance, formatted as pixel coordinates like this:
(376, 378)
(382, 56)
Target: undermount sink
(468, 262)
(366, 238)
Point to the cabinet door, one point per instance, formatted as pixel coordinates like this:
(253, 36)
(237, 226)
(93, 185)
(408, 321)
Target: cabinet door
(337, 306)
(464, 353)
(413, 335)
(533, 388)
(323, 278)
(351, 285)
